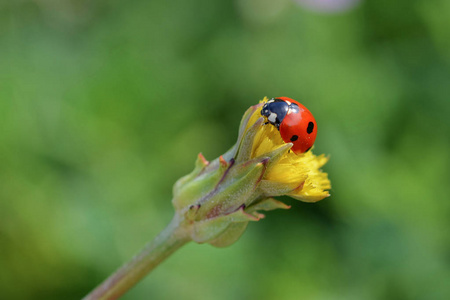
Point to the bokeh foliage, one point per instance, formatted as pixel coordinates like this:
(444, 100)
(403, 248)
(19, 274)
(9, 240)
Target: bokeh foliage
(104, 104)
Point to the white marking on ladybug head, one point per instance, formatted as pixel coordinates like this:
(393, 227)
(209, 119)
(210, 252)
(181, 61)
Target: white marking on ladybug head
(272, 117)
(288, 102)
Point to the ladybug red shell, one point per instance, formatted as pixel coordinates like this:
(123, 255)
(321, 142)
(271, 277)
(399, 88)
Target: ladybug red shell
(294, 121)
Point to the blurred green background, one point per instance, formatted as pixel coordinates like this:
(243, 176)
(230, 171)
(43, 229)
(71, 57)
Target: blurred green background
(104, 104)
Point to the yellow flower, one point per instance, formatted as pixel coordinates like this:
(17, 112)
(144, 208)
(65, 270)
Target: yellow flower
(300, 172)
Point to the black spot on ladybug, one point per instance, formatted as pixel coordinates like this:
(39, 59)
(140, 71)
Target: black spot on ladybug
(310, 127)
(294, 138)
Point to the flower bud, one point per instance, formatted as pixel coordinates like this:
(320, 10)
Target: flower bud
(218, 199)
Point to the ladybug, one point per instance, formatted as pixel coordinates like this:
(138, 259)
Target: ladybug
(295, 122)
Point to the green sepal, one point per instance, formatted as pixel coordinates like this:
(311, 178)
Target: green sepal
(273, 188)
(243, 125)
(200, 165)
(236, 188)
(210, 229)
(267, 205)
(200, 182)
(231, 234)
(277, 154)
(246, 145)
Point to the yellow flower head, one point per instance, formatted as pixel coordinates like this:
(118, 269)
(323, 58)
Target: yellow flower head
(300, 172)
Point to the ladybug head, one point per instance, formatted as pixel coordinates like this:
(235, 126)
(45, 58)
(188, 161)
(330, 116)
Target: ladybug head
(275, 110)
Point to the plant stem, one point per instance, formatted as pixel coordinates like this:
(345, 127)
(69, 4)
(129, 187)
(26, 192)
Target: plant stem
(170, 239)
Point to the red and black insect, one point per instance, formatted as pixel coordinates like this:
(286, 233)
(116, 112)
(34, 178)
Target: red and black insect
(294, 121)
